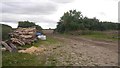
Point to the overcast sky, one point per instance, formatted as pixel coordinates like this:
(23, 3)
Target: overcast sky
(47, 12)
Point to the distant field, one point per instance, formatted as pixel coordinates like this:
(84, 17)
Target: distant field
(48, 31)
(97, 35)
(108, 35)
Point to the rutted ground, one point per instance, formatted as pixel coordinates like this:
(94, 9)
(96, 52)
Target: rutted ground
(77, 51)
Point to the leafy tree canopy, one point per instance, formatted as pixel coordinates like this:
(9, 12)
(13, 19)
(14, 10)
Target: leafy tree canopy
(74, 20)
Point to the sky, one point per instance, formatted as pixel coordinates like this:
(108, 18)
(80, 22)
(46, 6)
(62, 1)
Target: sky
(47, 13)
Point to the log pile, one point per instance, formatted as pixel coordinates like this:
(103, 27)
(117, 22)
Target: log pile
(24, 36)
(20, 36)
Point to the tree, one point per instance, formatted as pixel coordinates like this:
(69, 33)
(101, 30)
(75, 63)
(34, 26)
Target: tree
(73, 20)
(69, 21)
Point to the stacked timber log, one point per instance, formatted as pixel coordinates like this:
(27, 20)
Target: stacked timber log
(24, 36)
(21, 36)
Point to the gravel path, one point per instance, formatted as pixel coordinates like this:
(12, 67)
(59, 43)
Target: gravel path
(77, 51)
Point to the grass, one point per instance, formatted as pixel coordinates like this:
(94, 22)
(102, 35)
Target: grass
(100, 36)
(18, 59)
(49, 41)
(96, 35)
(23, 59)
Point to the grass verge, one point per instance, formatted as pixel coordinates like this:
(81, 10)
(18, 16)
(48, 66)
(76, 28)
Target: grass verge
(18, 59)
(22, 59)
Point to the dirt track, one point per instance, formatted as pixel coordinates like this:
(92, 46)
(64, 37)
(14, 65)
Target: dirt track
(77, 51)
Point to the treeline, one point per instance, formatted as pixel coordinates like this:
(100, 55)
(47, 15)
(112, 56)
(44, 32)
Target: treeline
(26, 24)
(73, 20)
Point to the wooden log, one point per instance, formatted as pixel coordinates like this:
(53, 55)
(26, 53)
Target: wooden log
(19, 43)
(3, 49)
(22, 42)
(15, 40)
(26, 36)
(6, 46)
(14, 48)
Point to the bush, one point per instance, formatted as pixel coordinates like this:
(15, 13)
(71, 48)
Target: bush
(5, 31)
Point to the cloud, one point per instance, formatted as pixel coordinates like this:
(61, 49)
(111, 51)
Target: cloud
(48, 12)
(47, 25)
(33, 8)
(116, 0)
(11, 17)
(62, 1)
(37, 11)
(102, 13)
(24, 0)
(119, 11)
(34, 18)
(57, 1)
